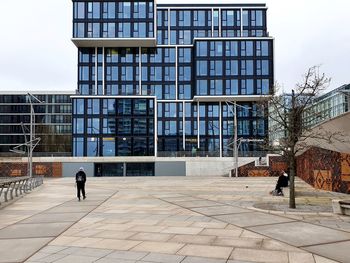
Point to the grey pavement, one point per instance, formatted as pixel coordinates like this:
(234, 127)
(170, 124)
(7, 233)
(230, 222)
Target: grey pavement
(173, 219)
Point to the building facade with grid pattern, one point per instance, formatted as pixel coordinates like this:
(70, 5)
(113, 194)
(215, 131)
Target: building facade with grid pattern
(161, 79)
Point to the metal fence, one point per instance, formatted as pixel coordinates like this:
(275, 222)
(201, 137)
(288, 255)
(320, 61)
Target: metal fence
(11, 187)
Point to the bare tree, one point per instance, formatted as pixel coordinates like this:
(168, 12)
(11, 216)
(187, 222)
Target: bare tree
(286, 118)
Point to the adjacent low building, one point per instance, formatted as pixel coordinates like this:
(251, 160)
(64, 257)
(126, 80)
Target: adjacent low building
(328, 106)
(53, 122)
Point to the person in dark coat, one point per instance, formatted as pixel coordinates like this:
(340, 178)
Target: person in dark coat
(80, 179)
(281, 182)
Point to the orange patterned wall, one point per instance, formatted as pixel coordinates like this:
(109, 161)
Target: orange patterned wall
(325, 169)
(20, 169)
(276, 165)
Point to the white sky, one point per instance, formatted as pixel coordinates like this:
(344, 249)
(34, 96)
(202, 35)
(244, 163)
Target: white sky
(36, 52)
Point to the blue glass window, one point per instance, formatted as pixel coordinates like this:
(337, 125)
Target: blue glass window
(231, 67)
(259, 18)
(93, 146)
(172, 18)
(78, 146)
(247, 48)
(264, 48)
(96, 10)
(109, 126)
(216, 87)
(216, 48)
(232, 87)
(247, 67)
(216, 68)
(80, 10)
(173, 37)
(93, 126)
(78, 126)
(202, 87)
(79, 106)
(265, 86)
(245, 18)
(202, 68)
(108, 147)
(265, 67)
(202, 49)
(84, 73)
(231, 48)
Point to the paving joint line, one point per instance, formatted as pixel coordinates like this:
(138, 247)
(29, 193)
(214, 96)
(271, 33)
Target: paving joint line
(108, 197)
(245, 228)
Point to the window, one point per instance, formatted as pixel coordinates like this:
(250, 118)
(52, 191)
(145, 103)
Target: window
(109, 126)
(231, 48)
(202, 49)
(172, 18)
(232, 87)
(216, 68)
(202, 68)
(202, 87)
(216, 87)
(93, 146)
(79, 106)
(247, 67)
(108, 147)
(231, 67)
(78, 146)
(78, 126)
(80, 10)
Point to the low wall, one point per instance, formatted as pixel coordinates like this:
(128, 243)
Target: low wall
(325, 169)
(48, 169)
(164, 166)
(274, 166)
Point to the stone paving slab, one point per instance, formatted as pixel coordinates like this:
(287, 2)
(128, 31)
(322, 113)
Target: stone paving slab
(302, 234)
(163, 219)
(18, 250)
(339, 251)
(52, 218)
(33, 230)
(220, 210)
(252, 219)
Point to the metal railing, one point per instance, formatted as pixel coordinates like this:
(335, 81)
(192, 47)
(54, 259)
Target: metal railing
(17, 186)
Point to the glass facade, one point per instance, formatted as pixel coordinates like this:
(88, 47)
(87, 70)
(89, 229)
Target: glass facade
(113, 127)
(53, 123)
(327, 106)
(113, 19)
(201, 51)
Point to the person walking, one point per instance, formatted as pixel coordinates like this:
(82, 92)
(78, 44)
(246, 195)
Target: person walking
(80, 179)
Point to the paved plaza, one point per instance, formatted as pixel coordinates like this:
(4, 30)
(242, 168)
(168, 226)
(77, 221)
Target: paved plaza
(173, 220)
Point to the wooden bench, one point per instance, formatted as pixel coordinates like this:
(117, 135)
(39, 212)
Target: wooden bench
(341, 207)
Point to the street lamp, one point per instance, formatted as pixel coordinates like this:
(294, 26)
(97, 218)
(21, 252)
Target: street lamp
(33, 142)
(234, 112)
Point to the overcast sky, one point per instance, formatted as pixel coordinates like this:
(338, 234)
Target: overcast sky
(36, 52)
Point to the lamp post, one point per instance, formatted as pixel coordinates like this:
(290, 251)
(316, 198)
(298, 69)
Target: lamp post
(234, 112)
(32, 131)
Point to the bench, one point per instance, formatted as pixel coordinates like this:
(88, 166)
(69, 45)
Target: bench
(16, 186)
(341, 207)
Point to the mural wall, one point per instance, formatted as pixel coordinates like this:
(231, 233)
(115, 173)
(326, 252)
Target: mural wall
(325, 169)
(42, 169)
(275, 166)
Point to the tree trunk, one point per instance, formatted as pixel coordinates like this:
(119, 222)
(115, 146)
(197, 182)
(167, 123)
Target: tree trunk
(292, 171)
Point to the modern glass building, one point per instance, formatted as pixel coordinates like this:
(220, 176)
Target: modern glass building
(328, 106)
(160, 80)
(53, 122)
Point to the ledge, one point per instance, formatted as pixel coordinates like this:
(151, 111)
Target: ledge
(114, 42)
(237, 98)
